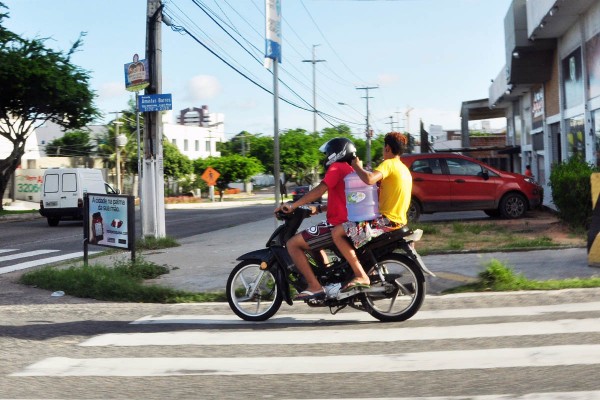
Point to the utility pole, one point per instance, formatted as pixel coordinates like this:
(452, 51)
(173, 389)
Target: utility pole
(391, 117)
(118, 151)
(314, 62)
(407, 113)
(118, 144)
(153, 206)
(399, 126)
(368, 132)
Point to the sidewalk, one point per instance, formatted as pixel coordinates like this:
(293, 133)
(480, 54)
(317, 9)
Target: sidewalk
(203, 262)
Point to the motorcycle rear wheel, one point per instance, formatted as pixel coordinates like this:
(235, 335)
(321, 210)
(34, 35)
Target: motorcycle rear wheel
(405, 292)
(252, 293)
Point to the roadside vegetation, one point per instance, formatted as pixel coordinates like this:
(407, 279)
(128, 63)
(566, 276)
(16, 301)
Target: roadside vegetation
(15, 212)
(122, 282)
(500, 235)
(152, 243)
(499, 277)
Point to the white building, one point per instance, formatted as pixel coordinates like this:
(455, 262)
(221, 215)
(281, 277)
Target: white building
(195, 141)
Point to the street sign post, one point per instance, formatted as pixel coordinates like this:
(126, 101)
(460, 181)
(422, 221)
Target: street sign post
(210, 176)
(155, 102)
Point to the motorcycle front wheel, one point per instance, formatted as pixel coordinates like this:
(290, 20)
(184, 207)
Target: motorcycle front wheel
(252, 293)
(404, 290)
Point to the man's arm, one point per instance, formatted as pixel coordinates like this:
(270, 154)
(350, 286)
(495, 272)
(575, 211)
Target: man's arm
(309, 197)
(370, 178)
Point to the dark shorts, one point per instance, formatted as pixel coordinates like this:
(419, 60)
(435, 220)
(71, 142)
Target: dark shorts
(318, 236)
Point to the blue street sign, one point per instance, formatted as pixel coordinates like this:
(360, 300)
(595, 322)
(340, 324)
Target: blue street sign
(155, 102)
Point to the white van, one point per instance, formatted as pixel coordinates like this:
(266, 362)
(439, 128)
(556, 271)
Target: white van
(63, 190)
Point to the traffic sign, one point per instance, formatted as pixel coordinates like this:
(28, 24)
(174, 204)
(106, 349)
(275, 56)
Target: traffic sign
(155, 102)
(210, 176)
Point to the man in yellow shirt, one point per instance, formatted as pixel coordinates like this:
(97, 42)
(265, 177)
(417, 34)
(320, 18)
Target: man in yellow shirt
(394, 200)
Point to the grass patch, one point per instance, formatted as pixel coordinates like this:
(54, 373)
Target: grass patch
(152, 243)
(476, 229)
(14, 212)
(520, 243)
(441, 237)
(123, 282)
(498, 277)
(427, 228)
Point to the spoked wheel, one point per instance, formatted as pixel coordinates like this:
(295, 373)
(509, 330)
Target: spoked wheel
(252, 293)
(404, 290)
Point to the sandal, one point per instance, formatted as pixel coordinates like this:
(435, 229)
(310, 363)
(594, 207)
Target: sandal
(355, 284)
(308, 295)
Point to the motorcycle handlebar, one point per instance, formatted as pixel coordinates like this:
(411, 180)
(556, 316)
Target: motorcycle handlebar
(304, 210)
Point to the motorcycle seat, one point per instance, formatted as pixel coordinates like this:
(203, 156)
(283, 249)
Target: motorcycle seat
(395, 234)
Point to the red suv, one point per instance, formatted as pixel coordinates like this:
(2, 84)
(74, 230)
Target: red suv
(453, 182)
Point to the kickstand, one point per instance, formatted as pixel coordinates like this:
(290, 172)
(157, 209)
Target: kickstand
(336, 310)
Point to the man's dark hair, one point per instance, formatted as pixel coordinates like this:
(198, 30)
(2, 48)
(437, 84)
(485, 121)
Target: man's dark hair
(396, 141)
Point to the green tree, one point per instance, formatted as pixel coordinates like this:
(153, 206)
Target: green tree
(239, 144)
(261, 148)
(175, 164)
(337, 131)
(38, 85)
(106, 141)
(299, 155)
(72, 144)
(232, 168)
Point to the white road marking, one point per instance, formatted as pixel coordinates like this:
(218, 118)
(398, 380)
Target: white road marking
(529, 396)
(42, 261)
(364, 317)
(547, 356)
(283, 337)
(7, 250)
(26, 254)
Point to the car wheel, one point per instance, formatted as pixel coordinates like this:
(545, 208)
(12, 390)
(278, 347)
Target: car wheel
(414, 211)
(53, 221)
(513, 205)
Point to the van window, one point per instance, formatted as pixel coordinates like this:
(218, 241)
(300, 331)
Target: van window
(69, 183)
(51, 183)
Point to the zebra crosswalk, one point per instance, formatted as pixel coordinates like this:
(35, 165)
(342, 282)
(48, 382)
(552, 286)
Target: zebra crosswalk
(542, 339)
(15, 260)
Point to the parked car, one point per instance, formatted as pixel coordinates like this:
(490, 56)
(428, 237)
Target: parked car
(453, 182)
(299, 191)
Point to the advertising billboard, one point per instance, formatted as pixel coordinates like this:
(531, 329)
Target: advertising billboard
(110, 220)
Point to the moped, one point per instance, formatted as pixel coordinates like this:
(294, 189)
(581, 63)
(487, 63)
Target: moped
(264, 278)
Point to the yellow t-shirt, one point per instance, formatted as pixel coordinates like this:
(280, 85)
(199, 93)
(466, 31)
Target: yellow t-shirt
(395, 190)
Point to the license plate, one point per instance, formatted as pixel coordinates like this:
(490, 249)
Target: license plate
(51, 203)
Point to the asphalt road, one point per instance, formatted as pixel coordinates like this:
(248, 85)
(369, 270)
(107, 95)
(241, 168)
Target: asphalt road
(35, 235)
(515, 346)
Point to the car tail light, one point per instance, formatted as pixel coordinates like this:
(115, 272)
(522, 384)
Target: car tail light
(80, 203)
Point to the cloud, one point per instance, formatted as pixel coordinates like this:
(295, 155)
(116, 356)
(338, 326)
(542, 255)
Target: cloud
(111, 90)
(387, 79)
(201, 87)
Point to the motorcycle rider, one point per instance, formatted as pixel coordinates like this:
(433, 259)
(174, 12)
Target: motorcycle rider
(394, 200)
(339, 151)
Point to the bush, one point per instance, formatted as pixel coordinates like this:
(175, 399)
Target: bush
(572, 191)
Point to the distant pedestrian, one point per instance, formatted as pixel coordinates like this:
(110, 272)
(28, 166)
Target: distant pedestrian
(528, 171)
(283, 190)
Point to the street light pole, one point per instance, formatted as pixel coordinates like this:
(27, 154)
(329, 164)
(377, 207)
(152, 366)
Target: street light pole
(314, 62)
(368, 132)
(118, 151)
